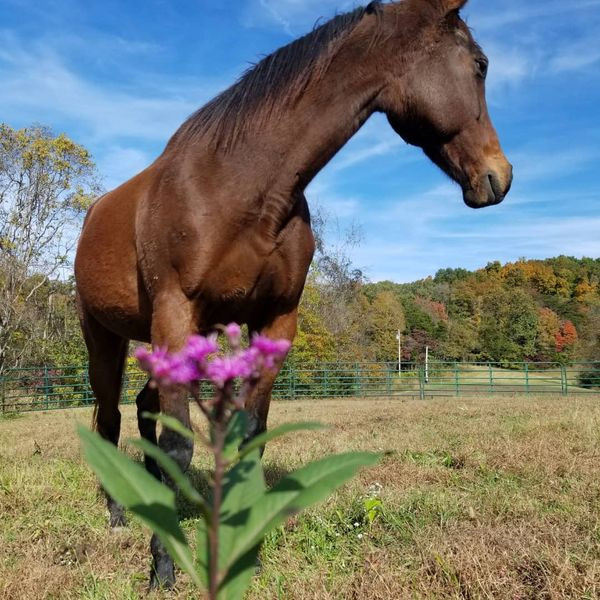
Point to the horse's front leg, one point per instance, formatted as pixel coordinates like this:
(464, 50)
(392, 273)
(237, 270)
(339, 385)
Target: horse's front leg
(172, 324)
(257, 405)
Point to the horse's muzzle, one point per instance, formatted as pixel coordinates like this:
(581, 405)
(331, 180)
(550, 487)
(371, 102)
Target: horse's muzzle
(491, 189)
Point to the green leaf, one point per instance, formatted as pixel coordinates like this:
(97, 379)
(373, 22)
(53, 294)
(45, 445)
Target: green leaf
(171, 423)
(171, 468)
(296, 491)
(203, 553)
(133, 487)
(243, 485)
(238, 425)
(239, 576)
(263, 438)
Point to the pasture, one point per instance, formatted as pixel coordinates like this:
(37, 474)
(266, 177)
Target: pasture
(480, 498)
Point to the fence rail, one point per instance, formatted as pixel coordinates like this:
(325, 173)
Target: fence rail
(48, 388)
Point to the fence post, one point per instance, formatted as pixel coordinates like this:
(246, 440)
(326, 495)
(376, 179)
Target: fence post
(564, 384)
(291, 381)
(47, 387)
(2, 394)
(421, 383)
(87, 399)
(491, 378)
(456, 379)
(527, 378)
(388, 379)
(358, 382)
(125, 389)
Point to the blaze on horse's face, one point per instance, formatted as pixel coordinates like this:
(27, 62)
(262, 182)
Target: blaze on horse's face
(439, 105)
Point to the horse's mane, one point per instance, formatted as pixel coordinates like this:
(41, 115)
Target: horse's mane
(272, 84)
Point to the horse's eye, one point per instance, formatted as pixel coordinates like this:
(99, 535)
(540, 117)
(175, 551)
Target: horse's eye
(482, 66)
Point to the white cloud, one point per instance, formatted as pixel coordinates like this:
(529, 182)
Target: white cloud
(294, 16)
(118, 164)
(322, 194)
(37, 85)
(509, 67)
(512, 12)
(577, 56)
(533, 164)
(376, 139)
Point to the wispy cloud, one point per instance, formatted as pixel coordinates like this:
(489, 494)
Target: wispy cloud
(534, 164)
(293, 16)
(37, 85)
(376, 139)
(119, 163)
(511, 12)
(576, 56)
(339, 206)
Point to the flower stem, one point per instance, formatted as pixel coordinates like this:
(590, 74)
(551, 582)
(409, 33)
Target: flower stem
(219, 428)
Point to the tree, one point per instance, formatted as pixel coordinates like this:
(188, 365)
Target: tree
(566, 338)
(509, 326)
(549, 328)
(46, 183)
(331, 307)
(386, 318)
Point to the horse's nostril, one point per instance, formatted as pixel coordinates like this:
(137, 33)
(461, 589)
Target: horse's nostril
(495, 186)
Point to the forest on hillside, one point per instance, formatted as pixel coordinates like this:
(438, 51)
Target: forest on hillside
(529, 310)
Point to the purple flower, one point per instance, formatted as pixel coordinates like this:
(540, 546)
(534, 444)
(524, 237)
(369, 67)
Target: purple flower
(193, 362)
(224, 369)
(199, 347)
(271, 350)
(183, 371)
(234, 334)
(181, 368)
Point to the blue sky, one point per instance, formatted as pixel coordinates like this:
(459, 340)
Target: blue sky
(119, 77)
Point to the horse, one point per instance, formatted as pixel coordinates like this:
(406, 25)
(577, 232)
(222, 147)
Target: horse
(218, 229)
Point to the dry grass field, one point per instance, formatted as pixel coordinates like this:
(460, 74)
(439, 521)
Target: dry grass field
(494, 498)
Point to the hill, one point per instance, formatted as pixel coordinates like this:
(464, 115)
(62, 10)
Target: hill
(540, 310)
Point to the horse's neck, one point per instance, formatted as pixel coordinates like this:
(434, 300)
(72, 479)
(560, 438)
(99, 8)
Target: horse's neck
(296, 144)
(307, 135)
(299, 139)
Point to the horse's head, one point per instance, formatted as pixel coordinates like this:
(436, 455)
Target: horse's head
(435, 97)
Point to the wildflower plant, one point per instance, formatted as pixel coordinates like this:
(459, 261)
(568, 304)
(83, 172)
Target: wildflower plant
(239, 510)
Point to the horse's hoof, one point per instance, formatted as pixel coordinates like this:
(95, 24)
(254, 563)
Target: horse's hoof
(162, 576)
(117, 519)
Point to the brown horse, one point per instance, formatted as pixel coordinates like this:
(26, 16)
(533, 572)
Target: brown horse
(217, 229)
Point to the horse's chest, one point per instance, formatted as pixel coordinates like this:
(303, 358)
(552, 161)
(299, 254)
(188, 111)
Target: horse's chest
(245, 275)
(248, 280)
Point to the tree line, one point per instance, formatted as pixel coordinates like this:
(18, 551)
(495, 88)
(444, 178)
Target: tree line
(529, 310)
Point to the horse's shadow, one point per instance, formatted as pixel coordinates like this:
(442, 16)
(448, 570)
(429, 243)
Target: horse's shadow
(273, 473)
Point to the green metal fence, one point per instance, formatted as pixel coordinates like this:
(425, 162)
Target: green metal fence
(47, 388)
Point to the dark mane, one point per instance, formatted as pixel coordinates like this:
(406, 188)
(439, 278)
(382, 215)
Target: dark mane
(273, 83)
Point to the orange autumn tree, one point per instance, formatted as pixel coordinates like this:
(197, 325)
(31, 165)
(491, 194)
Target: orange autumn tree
(566, 337)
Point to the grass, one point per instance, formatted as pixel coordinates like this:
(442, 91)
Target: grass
(480, 499)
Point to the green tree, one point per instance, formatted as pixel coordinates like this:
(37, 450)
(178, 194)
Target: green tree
(46, 183)
(386, 318)
(509, 326)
